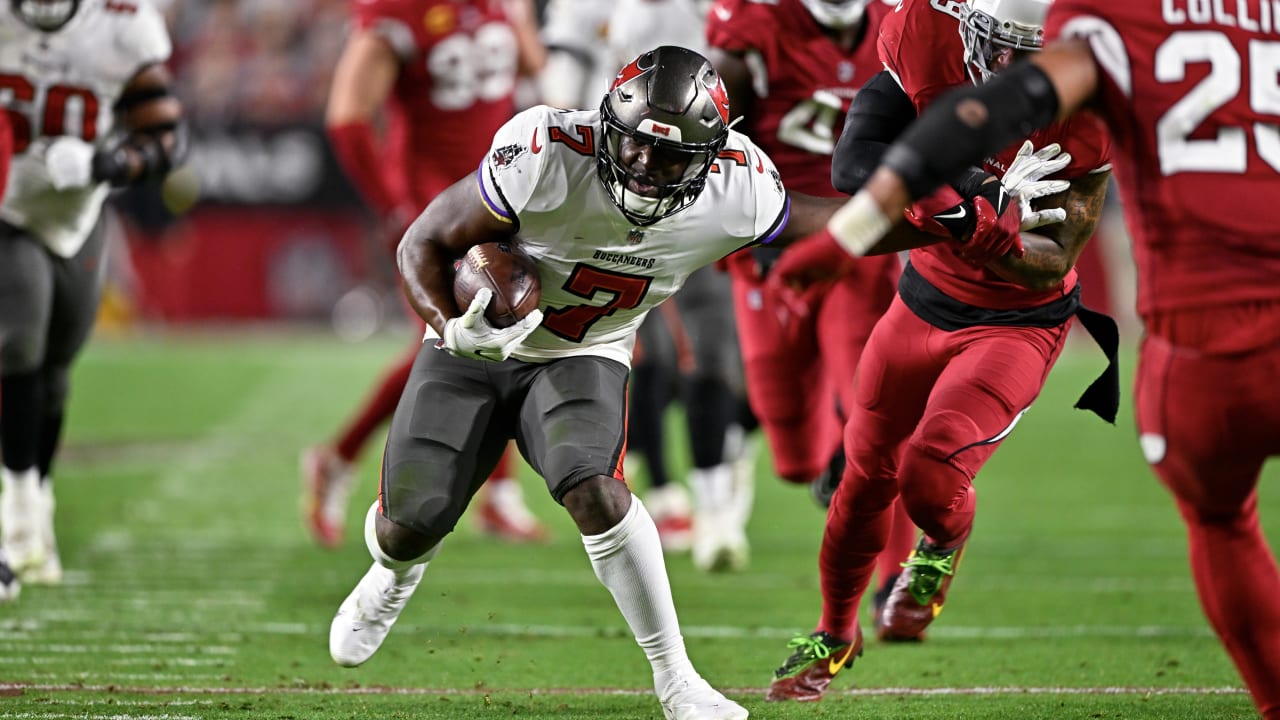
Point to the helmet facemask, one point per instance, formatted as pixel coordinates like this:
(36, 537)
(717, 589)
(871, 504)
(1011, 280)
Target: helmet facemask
(837, 15)
(989, 25)
(671, 99)
(45, 15)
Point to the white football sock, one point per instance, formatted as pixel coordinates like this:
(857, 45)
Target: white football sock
(628, 560)
(399, 567)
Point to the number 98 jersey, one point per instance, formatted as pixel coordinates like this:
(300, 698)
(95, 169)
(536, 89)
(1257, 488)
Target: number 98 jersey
(458, 65)
(67, 83)
(803, 80)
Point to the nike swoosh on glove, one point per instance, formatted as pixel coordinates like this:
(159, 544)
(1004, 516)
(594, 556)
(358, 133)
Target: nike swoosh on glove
(997, 230)
(471, 336)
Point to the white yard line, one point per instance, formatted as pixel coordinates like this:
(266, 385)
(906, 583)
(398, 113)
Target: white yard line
(863, 692)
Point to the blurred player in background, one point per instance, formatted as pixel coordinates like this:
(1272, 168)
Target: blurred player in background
(89, 100)
(10, 585)
(580, 63)
(970, 338)
(617, 206)
(445, 72)
(792, 68)
(1198, 160)
(693, 346)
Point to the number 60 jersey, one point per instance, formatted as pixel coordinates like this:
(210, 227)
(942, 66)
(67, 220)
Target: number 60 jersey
(67, 82)
(1191, 92)
(600, 274)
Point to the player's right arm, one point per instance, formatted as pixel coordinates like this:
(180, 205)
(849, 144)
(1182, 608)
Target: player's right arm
(456, 219)
(362, 82)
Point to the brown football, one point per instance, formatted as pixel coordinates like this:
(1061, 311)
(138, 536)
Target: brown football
(506, 270)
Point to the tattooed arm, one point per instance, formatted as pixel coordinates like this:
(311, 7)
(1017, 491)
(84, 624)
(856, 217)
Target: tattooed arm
(1052, 250)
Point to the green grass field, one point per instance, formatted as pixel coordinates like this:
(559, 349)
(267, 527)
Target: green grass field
(193, 592)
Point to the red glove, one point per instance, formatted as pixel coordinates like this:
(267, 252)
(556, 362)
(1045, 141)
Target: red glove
(996, 232)
(812, 260)
(940, 213)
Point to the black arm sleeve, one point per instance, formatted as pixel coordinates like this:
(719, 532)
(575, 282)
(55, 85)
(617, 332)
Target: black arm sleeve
(878, 115)
(966, 125)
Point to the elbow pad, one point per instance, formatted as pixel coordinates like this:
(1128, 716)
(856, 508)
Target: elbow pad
(878, 115)
(966, 125)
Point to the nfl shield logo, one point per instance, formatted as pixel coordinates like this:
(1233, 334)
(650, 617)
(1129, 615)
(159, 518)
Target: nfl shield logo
(635, 236)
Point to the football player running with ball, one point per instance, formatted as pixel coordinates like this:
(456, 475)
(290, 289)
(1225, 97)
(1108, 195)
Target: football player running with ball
(1200, 212)
(617, 206)
(90, 102)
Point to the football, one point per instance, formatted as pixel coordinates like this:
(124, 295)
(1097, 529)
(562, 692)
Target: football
(508, 272)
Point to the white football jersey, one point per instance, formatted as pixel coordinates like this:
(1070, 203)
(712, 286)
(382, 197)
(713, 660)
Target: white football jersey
(67, 83)
(637, 26)
(600, 274)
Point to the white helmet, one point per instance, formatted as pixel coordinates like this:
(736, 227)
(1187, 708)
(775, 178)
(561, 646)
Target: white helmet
(987, 24)
(837, 14)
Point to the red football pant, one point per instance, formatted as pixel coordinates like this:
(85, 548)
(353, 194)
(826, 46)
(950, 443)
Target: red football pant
(1207, 423)
(799, 371)
(929, 409)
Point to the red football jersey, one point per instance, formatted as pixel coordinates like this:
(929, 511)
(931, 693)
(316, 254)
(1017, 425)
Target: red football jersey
(455, 88)
(810, 82)
(920, 44)
(1193, 98)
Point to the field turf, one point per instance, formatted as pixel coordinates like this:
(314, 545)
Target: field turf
(193, 592)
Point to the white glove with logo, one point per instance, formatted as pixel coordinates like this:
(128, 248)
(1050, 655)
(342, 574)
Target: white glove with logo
(473, 337)
(1024, 183)
(69, 161)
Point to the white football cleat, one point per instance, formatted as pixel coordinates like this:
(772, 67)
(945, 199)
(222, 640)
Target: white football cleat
(719, 536)
(689, 697)
(502, 513)
(670, 509)
(326, 486)
(49, 569)
(366, 616)
(19, 519)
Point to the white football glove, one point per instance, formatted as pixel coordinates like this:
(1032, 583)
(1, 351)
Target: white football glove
(1024, 183)
(473, 337)
(69, 161)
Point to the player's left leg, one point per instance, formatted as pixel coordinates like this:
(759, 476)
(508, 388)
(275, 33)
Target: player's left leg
(846, 317)
(1206, 424)
(572, 430)
(992, 377)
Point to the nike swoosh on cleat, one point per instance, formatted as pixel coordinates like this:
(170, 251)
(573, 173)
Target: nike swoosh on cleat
(834, 665)
(955, 214)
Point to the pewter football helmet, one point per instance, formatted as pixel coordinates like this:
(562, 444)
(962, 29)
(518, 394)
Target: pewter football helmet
(673, 99)
(837, 14)
(988, 24)
(45, 15)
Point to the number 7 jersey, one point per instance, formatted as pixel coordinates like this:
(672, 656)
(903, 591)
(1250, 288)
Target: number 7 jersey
(600, 274)
(1191, 93)
(67, 83)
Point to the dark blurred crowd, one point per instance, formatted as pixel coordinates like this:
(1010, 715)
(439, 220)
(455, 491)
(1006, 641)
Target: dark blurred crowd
(263, 62)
